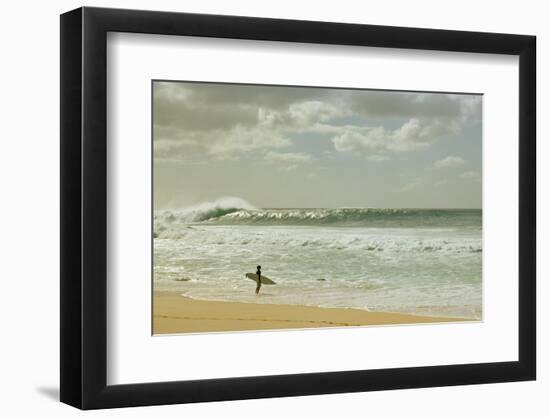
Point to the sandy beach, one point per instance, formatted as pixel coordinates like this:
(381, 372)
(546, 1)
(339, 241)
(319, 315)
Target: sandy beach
(173, 313)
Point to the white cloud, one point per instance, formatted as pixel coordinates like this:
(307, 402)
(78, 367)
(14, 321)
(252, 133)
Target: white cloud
(241, 139)
(204, 120)
(412, 135)
(411, 185)
(291, 157)
(430, 117)
(288, 161)
(289, 168)
(303, 115)
(219, 143)
(449, 162)
(469, 175)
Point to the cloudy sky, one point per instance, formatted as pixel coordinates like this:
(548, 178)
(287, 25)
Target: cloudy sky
(315, 147)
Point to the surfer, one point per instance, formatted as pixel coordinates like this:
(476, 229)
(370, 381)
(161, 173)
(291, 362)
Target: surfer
(259, 279)
(259, 273)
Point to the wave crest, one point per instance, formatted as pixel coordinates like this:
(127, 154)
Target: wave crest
(205, 211)
(353, 217)
(237, 211)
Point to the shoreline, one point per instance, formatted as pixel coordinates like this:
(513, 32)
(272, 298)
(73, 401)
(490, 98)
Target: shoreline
(174, 313)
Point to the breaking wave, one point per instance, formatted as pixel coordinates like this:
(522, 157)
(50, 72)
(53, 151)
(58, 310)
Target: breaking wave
(402, 260)
(205, 211)
(236, 211)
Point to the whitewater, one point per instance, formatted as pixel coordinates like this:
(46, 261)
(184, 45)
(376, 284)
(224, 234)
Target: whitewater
(417, 261)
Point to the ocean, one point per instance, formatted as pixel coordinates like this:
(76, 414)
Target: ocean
(417, 261)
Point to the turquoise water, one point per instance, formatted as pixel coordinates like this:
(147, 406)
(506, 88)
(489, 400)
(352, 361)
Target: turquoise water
(425, 262)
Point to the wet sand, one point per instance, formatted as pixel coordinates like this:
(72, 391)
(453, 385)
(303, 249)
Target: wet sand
(174, 313)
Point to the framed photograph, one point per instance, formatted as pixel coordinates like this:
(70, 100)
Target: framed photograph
(257, 208)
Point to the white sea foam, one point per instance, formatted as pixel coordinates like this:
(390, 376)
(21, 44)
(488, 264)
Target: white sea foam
(408, 260)
(206, 210)
(415, 270)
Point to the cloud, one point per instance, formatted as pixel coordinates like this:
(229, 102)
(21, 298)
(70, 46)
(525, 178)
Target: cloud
(219, 143)
(211, 106)
(289, 168)
(395, 104)
(241, 140)
(226, 94)
(201, 120)
(428, 117)
(298, 157)
(226, 121)
(378, 158)
(411, 185)
(449, 162)
(288, 161)
(304, 115)
(412, 135)
(179, 107)
(470, 175)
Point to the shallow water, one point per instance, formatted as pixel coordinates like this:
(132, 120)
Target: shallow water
(424, 262)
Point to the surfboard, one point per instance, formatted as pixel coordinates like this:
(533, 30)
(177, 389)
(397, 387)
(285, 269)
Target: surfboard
(265, 280)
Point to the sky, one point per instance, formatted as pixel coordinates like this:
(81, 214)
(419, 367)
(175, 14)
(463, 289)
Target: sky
(283, 147)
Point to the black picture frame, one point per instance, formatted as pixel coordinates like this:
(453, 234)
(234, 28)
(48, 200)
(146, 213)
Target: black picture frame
(84, 207)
